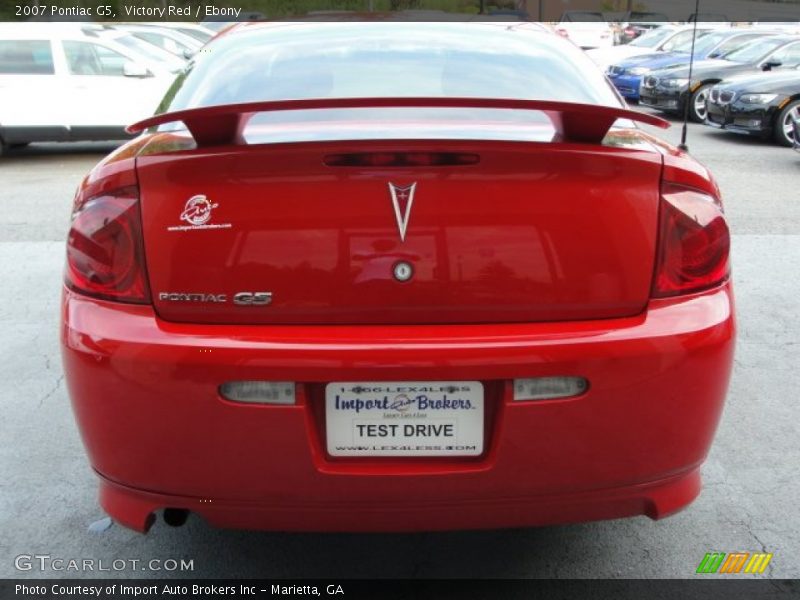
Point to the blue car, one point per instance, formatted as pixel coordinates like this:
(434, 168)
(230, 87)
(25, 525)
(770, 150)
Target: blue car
(627, 74)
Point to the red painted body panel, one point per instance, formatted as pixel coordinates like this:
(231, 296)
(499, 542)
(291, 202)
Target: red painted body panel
(504, 240)
(145, 396)
(145, 389)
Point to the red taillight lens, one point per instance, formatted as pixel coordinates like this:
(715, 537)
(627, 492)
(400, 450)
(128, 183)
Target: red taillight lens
(104, 248)
(693, 245)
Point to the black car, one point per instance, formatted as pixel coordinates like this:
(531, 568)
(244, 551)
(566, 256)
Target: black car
(763, 104)
(669, 89)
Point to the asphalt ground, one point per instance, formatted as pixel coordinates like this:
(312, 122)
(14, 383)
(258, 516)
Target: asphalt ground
(749, 502)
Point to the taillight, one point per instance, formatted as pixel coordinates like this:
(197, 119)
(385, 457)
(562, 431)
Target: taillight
(105, 258)
(693, 244)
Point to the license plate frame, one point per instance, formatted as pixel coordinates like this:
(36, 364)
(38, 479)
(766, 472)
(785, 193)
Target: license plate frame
(405, 419)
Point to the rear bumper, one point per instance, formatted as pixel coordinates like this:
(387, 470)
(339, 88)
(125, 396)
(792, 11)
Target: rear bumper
(145, 397)
(135, 509)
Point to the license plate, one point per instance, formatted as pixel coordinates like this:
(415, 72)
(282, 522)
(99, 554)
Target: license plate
(404, 418)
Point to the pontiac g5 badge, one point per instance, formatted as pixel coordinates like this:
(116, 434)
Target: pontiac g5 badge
(402, 200)
(239, 298)
(197, 214)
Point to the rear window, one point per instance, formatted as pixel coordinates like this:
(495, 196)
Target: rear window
(26, 57)
(354, 60)
(341, 60)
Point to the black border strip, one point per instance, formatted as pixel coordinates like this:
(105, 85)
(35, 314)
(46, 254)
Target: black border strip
(400, 10)
(462, 589)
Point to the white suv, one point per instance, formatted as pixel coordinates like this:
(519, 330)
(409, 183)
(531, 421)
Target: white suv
(60, 83)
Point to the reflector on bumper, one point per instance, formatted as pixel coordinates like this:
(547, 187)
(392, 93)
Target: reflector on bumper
(258, 392)
(541, 388)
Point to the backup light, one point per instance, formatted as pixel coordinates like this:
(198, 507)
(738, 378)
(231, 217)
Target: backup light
(541, 388)
(258, 392)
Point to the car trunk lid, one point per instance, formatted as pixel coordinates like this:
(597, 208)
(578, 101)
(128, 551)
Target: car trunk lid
(314, 232)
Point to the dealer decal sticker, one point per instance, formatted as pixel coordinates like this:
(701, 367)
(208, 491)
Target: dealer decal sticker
(197, 214)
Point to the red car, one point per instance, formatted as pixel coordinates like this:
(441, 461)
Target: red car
(396, 277)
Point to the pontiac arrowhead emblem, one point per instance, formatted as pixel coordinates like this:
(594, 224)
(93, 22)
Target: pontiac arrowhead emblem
(402, 199)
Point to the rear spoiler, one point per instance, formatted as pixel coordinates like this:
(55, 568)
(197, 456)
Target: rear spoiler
(222, 125)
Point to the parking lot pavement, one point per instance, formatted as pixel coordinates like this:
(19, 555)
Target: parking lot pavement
(47, 490)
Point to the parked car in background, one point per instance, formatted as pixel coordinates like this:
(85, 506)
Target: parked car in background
(156, 57)
(792, 28)
(663, 39)
(627, 74)
(174, 42)
(708, 18)
(670, 89)
(516, 280)
(586, 29)
(59, 84)
(764, 104)
(632, 24)
(630, 31)
(194, 30)
(217, 24)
